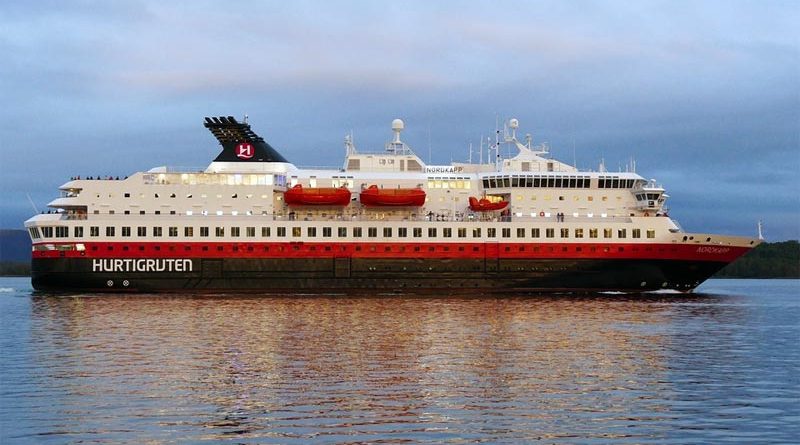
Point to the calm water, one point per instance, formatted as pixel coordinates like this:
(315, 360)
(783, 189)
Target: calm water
(720, 366)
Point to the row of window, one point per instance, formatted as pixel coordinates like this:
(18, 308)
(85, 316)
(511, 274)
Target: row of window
(214, 179)
(449, 183)
(614, 182)
(342, 248)
(341, 232)
(188, 195)
(537, 181)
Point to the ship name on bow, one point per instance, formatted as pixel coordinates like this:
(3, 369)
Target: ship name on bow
(443, 169)
(713, 250)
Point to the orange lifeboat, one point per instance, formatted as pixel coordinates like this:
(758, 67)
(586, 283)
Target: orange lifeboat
(484, 205)
(377, 197)
(324, 196)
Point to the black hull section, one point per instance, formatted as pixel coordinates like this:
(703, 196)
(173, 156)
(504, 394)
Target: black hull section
(330, 274)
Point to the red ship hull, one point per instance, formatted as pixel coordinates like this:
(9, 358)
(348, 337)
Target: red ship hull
(320, 266)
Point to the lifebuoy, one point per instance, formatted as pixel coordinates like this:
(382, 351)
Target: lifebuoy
(541, 214)
(646, 214)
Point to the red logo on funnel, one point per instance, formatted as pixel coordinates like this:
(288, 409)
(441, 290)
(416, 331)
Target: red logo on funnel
(244, 151)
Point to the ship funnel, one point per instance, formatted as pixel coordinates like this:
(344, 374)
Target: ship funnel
(239, 142)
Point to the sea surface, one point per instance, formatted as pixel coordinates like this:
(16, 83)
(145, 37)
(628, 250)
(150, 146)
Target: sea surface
(718, 366)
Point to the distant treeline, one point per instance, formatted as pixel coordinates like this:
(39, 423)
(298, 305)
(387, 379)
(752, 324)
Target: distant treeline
(769, 260)
(15, 269)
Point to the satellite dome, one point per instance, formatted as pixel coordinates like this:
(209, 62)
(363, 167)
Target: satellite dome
(397, 124)
(513, 123)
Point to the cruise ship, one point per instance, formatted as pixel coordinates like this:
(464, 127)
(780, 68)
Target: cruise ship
(518, 220)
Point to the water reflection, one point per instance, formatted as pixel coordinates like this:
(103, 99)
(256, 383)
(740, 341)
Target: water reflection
(457, 369)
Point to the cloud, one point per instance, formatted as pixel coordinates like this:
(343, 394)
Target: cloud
(705, 96)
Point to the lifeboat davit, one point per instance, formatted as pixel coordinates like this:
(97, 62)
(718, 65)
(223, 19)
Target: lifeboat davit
(377, 197)
(484, 205)
(312, 196)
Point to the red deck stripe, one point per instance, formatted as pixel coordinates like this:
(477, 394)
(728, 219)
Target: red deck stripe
(693, 252)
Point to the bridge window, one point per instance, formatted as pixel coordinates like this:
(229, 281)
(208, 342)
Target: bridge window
(520, 232)
(78, 231)
(651, 233)
(417, 232)
(607, 233)
(342, 232)
(310, 232)
(506, 232)
(126, 231)
(564, 233)
(491, 232)
(431, 232)
(326, 232)
(281, 232)
(535, 233)
(387, 232)
(94, 231)
(462, 232)
(265, 232)
(250, 232)
(402, 232)
(550, 232)
(109, 231)
(621, 233)
(476, 232)
(296, 232)
(448, 232)
(578, 233)
(220, 231)
(357, 232)
(636, 233)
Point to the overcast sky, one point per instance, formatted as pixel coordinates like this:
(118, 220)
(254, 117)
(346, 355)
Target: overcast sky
(705, 96)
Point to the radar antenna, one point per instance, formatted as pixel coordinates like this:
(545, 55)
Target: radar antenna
(396, 146)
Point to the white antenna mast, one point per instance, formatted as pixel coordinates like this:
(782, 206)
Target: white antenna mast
(574, 156)
(760, 234)
(429, 140)
(480, 150)
(496, 144)
(37, 210)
